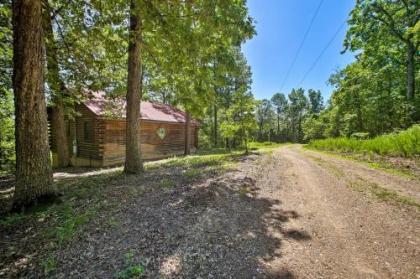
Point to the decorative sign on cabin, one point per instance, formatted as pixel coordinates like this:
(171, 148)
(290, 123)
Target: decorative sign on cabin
(161, 132)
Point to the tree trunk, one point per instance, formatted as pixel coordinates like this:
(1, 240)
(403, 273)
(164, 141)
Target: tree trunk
(187, 133)
(411, 82)
(33, 165)
(59, 89)
(278, 127)
(215, 125)
(133, 161)
(60, 132)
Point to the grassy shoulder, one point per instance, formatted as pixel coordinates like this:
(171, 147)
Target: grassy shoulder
(396, 166)
(402, 144)
(395, 153)
(365, 186)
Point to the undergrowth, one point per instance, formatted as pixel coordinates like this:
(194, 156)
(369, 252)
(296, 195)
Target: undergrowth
(404, 144)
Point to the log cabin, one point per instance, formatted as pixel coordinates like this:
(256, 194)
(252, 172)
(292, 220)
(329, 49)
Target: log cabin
(96, 136)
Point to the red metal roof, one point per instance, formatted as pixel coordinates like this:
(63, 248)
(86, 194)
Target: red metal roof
(116, 108)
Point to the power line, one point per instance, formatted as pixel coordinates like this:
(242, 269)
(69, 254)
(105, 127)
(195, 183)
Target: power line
(322, 52)
(301, 45)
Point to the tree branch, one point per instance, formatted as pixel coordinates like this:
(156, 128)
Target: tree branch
(390, 24)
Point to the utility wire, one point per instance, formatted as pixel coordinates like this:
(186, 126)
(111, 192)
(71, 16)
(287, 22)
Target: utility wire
(301, 45)
(322, 53)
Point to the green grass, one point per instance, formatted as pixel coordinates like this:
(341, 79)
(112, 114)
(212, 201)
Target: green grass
(196, 161)
(131, 269)
(264, 146)
(382, 193)
(167, 183)
(380, 164)
(49, 265)
(403, 144)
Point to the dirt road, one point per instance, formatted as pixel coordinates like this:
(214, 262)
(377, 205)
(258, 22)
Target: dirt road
(292, 213)
(347, 231)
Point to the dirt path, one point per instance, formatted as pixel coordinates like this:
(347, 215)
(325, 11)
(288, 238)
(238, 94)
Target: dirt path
(349, 234)
(291, 213)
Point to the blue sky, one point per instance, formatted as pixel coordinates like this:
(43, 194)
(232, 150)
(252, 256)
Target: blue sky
(280, 26)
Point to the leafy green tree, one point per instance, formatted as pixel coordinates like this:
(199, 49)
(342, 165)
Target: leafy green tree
(279, 102)
(316, 102)
(298, 105)
(374, 22)
(264, 116)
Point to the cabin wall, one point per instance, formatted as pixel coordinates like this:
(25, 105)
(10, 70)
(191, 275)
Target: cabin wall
(98, 142)
(152, 146)
(85, 138)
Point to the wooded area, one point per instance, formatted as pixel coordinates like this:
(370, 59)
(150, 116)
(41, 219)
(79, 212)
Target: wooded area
(187, 54)
(132, 143)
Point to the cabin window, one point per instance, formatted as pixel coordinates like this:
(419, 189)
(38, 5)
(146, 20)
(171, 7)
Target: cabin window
(87, 131)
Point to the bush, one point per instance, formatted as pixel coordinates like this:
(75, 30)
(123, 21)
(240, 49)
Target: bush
(405, 143)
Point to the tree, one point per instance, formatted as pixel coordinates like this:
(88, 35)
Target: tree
(133, 162)
(264, 113)
(58, 88)
(315, 101)
(386, 18)
(207, 36)
(240, 120)
(33, 166)
(279, 101)
(298, 104)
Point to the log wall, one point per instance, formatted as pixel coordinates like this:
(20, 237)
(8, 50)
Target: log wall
(152, 146)
(101, 142)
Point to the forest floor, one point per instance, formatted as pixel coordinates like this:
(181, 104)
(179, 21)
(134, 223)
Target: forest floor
(285, 212)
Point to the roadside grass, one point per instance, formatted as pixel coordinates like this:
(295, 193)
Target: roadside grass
(266, 146)
(364, 186)
(375, 163)
(381, 193)
(403, 144)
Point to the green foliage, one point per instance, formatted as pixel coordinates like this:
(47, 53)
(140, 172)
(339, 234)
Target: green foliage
(239, 121)
(49, 265)
(131, 269)
(264, 115)
(316, 103)
(7, 146)
(12, 219)
(371, 95)
(190, 53)
(314, 128)
(405, 143)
